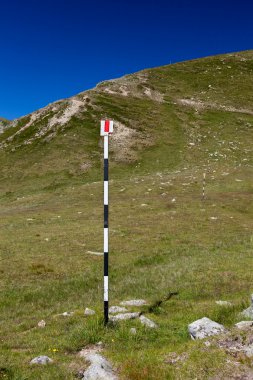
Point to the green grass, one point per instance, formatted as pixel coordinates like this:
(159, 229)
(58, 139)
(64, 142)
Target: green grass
(52, 212)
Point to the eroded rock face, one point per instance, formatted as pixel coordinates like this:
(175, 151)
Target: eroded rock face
(205, 327)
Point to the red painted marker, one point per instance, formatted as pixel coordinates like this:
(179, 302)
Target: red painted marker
(107, 125)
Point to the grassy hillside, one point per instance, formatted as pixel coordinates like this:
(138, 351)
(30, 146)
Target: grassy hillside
(172, 123)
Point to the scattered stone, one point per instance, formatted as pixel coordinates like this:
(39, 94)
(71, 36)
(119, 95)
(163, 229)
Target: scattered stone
(223, 303)
(41, 360)
(123, 316)
(41, 323)
(133, 331)
(173, 358)
(99, 369)
(244, 325)
(117, 309)
(133, 303)
(95, 253)
(67, 313)
(204, 327)
(248, 350)
(88, 311)
(147, 322)
(249, 311)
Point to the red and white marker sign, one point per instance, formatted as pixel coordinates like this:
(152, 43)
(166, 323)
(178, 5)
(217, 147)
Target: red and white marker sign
(106, 127)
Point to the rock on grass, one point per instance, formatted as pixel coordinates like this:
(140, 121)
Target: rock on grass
(99, 369)
(205, 327)
(147, 322)
(117, 309)
(123, 316)
(88, 311)
(43, 359)
(133, 303)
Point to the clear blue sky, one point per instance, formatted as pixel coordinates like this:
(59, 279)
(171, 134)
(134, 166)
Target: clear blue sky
(54, 49)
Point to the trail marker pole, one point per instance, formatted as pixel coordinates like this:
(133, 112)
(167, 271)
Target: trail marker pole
(204, 186)
(106, 129)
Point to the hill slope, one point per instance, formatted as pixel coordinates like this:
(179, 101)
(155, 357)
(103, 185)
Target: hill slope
(158, 113)
(171, 124)
(4, 124)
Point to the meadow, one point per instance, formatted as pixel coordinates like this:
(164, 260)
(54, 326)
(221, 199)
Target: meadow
(163, 236)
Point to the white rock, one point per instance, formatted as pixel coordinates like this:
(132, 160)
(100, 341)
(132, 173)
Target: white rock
(41, 360)
(248, 350)
(244, 325)
(88, 311)
(147, 322)
(99, 369)
(96, 253)
(117, 309)
(248, 313)
(133, 303)
(223, 303)
(133, 331)
(204, 327)
(67, 313)
(123, 316)
(41, 323)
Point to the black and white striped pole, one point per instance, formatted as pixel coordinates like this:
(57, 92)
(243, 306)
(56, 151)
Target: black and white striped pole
(106, 129)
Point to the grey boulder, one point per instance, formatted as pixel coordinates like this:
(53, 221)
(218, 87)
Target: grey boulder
(248, 313)
(205, 327)
(88, 311)
(244, 325)
(99, 369)
(123, 316)
(43, 359)
(117, 309)
(147, 322)
(133, 303)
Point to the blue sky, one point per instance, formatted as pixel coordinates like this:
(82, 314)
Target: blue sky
(54, 49)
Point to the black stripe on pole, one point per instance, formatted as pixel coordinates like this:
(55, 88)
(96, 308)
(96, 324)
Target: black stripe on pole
(105, 169)
(106, 222)
(106, 309)
(105, 263)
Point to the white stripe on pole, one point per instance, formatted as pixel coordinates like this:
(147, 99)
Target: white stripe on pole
(106, 192)
(106, 240)
(106, 146)
(106, 286)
